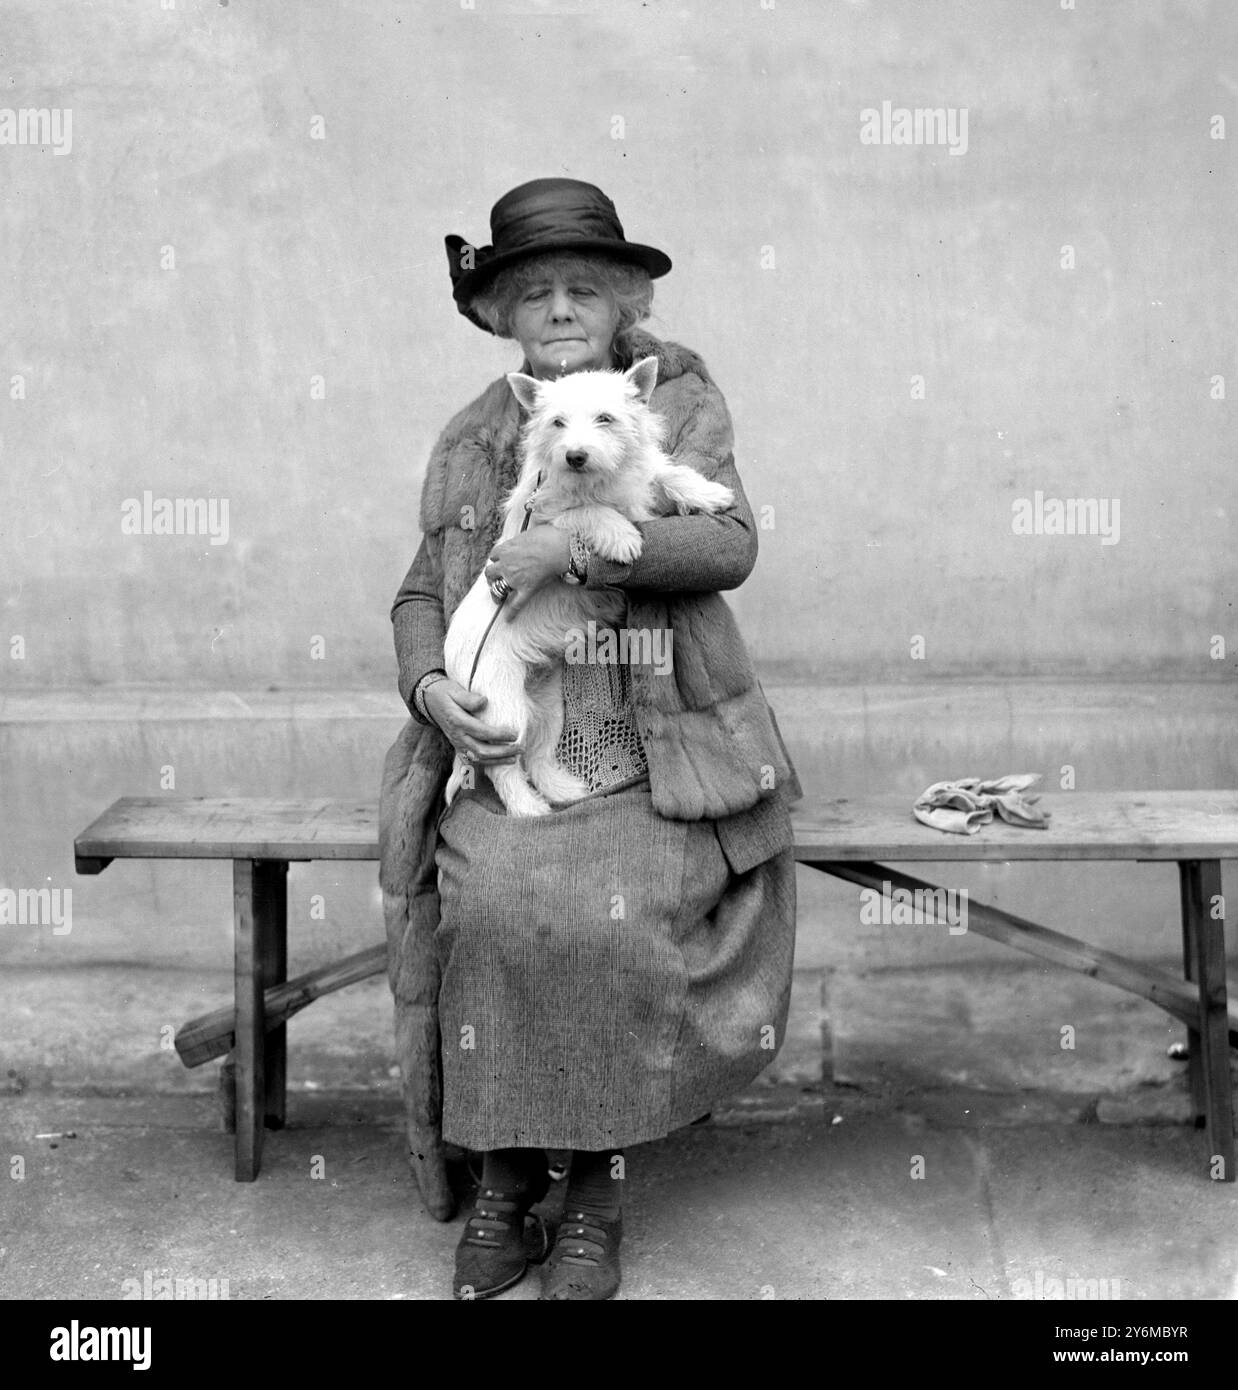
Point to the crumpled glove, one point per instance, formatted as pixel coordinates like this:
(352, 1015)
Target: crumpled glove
(961, 807)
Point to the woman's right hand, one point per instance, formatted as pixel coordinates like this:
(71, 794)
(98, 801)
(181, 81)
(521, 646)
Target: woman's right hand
(453, 708)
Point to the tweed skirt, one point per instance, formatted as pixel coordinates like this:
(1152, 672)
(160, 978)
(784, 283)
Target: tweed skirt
(606, 978)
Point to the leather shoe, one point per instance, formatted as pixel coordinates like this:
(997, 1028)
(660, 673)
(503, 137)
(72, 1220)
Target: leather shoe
(584, 1264)
(500, 1240)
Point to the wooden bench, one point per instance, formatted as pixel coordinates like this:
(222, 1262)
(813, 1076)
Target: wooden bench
(850, 839)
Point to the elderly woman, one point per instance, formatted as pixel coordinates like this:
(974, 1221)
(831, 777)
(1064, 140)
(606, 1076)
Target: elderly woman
(594, 978)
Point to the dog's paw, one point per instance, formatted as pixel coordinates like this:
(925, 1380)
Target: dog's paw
(520, 799)
(455, 782)
(717, 497)
(623, 543)
(682, 489)
(703, 496)
(557, 784)
(612, 536)
(626, 551)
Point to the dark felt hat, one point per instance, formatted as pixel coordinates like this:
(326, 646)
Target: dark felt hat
(544, 215)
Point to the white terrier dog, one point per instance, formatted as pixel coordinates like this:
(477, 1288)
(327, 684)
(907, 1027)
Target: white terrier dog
(593, 463)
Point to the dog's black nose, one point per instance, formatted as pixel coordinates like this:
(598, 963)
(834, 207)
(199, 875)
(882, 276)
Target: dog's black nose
(576, 458)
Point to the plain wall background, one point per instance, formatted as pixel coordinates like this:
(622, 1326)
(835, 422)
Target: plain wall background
(295, 256)
(892, 516)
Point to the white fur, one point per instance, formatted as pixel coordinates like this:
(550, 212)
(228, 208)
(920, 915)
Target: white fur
(624, 477)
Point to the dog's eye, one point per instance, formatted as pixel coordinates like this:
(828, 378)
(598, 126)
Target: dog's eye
(603, 419)
(559, 422)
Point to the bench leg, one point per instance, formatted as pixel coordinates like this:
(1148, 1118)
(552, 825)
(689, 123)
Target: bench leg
(1194, 1047)
(259, 895)
(1203, 938)
(271, 903)
(250, 1054)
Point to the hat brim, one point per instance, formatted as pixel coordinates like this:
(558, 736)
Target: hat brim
(656, 262)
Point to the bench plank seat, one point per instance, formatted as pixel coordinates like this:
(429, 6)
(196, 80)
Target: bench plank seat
(193, 827)
(1085, 825)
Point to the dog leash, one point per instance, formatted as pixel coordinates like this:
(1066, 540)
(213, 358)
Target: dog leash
(524, 526)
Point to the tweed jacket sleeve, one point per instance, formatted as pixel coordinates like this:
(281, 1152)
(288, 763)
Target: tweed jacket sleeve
(691, 554)
(417, 616)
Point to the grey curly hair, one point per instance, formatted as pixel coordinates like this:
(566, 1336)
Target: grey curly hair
(628, 284)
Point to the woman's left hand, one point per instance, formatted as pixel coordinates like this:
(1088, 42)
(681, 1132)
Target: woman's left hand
(528, 561)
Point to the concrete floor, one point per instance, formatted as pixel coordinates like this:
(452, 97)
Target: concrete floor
(1038, 1162)
(818, 1203)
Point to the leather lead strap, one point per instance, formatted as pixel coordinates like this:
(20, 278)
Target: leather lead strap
(524, 526)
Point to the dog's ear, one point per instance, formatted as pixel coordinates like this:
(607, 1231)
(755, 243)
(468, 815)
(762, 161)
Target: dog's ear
(526, 389)
(644, 376)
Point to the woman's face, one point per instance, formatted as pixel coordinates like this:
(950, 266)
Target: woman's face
(566, 324)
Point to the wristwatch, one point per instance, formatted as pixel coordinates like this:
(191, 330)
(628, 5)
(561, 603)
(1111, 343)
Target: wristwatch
(578, 560)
